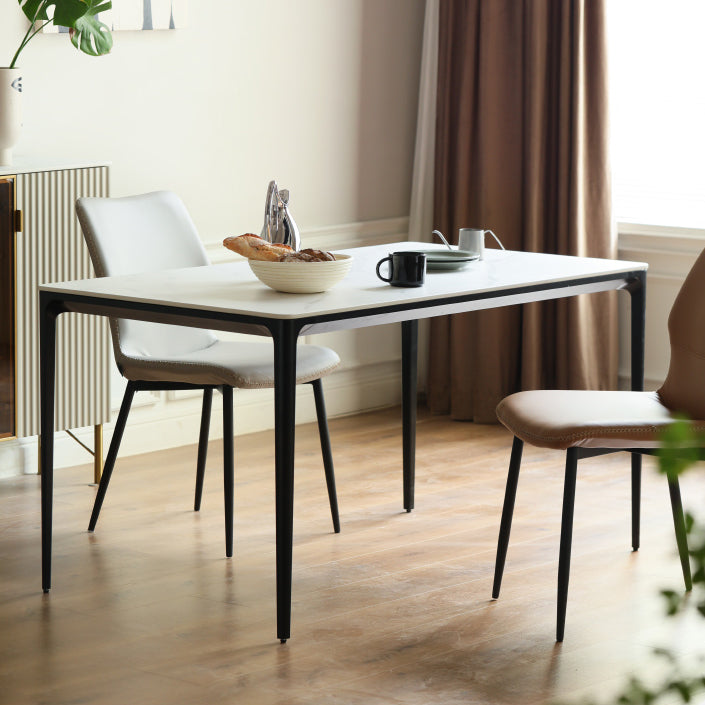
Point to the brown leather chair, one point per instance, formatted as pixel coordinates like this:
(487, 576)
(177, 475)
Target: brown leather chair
(591, 423)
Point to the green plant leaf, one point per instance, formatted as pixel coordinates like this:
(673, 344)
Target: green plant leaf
(91, 36)
(682, 688)
(673, 601)
(34, 9)
(96, 6)
(87, 33)
(679, 447)
(665, 653)
(689, 522)
(66, 12)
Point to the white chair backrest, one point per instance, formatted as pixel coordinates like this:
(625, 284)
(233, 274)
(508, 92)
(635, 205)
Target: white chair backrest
(144, 233)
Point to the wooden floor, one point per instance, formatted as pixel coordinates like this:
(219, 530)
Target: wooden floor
(395, 609)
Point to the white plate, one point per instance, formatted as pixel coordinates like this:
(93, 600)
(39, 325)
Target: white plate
(448, 259)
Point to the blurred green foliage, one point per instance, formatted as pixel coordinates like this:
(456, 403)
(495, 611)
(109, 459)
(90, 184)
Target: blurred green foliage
(682, 447)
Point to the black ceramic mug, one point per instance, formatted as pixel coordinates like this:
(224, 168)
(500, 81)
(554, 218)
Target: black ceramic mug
(405, 268)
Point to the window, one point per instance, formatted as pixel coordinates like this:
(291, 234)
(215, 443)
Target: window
(657, 110)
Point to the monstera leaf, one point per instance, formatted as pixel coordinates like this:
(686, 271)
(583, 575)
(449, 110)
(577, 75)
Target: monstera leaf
(88, 33)
(66, 12)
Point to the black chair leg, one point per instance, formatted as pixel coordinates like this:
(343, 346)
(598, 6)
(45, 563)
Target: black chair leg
(202, 447)
(112, 453)
(228, 467)
(505, 526)
(326, 451)
(679, 525)
(571, 470)
(636, 499)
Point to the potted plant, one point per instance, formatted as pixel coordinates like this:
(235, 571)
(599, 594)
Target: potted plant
(87, 33)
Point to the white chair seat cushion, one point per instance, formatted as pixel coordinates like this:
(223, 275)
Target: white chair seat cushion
(588, 419)
(243, 365)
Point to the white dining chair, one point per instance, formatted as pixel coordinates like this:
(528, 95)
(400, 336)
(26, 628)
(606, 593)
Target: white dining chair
(152, 232)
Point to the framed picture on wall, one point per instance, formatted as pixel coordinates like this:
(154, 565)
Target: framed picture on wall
(139, 15)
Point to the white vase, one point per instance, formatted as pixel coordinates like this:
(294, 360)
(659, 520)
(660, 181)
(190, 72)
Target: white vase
(10, 112)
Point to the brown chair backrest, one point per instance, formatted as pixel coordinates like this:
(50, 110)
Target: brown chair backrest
(684, 388)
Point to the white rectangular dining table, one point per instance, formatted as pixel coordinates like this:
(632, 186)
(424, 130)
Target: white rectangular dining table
(228, 297)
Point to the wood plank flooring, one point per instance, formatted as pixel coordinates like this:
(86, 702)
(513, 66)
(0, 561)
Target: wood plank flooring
(395, 609)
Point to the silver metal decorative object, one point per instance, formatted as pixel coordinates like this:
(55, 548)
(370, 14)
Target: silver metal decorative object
(279, 225)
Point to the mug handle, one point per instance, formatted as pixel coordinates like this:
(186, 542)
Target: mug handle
(388, 258)
(495, 237)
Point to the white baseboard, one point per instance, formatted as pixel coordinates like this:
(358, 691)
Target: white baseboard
(346, 392)
(177, 423)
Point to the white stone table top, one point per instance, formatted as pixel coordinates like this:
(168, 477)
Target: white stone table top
(232, 288)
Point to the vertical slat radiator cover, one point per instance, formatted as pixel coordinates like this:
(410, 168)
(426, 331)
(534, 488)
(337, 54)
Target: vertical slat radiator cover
(51, 249)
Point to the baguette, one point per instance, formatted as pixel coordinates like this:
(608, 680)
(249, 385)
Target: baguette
(254, 247)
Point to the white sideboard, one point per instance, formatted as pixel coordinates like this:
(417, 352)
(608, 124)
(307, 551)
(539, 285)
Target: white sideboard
(49, 247)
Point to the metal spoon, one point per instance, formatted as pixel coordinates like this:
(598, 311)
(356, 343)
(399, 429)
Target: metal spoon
(440, 234)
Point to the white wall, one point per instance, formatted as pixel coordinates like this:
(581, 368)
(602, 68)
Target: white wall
(318, 94)
(670, 253)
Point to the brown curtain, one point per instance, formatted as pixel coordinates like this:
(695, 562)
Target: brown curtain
(521, 148)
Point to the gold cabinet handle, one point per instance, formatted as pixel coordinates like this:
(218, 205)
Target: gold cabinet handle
(19, 224)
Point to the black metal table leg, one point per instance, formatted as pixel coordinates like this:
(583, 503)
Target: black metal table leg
(47, 374)
(637, 291)
(228, 467)
(285, 334)
(409, 358)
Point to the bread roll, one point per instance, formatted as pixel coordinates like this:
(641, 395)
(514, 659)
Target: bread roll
(307, 255)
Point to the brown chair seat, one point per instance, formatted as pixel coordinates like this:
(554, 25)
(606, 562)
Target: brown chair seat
(592, 423)
(561, 419)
